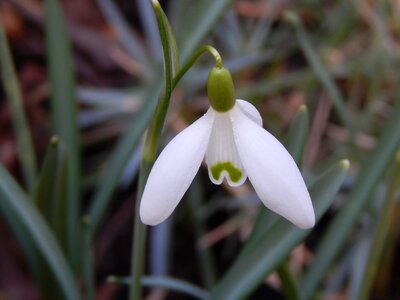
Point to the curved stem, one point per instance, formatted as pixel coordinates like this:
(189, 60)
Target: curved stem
(182, 71)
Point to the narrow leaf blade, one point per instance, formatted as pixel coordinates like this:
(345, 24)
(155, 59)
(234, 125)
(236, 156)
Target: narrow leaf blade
(64, 113)
(14, 199)
(341, 226)
(13, 92)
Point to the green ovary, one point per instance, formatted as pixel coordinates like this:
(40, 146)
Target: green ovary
(234, 173)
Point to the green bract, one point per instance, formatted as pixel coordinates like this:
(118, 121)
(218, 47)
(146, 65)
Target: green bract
(220, 89)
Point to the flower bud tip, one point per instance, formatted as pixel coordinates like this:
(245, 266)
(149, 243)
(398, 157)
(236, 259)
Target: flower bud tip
(345, 164)
(303, 108)
(54, 140)
(291, 17)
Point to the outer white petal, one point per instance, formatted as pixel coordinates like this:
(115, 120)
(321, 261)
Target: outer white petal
(250, 110)
(174, 171)
(272, 171)
(222, 158)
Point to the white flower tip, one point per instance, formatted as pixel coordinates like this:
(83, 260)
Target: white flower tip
(307, 221)
(302, 215)
(150, 216)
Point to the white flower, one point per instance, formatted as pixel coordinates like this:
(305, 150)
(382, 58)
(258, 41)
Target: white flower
(235, 146)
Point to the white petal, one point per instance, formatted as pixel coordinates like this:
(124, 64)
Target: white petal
(174, 171)
(272, 171)
(250, 110)
(222, 157)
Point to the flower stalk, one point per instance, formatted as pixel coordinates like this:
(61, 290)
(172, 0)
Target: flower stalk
(151, 143)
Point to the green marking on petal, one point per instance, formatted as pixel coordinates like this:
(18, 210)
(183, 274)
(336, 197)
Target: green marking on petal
(234, 173)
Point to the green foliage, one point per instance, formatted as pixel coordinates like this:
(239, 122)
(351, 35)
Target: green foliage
(31, 221)
(25, 147)
(64, 115)
(274, 66)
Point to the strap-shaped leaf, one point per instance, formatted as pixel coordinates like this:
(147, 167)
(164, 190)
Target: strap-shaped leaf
(381, 233)
(320, 70)
(13, 92)
(64, 113)
(298, 133)
(341, 226)
(50, 199)
(50, 192)
(14, 199)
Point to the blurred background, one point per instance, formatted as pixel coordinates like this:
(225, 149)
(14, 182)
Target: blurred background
(339, 58)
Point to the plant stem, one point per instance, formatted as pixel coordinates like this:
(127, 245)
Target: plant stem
(288, 284)
(139, 237)
(151, 143)
(192, 60)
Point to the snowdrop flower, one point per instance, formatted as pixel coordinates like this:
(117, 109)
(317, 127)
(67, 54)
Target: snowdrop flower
(231, 138)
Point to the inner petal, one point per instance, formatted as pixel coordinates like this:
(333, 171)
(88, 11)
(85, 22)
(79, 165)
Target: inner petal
(222, 157)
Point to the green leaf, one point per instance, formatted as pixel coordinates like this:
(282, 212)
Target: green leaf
(270, 86)
(50, 192)
(340, 228)
(381, 233)
(64, 114)
(87, 261)
(21, 130)
(298, 133)
(119, 156)
(15, 200)
(128, 38)
(22, 237)
(170, 283)
(207, 14)
(50, 199)
(320, 70)
(270, 250)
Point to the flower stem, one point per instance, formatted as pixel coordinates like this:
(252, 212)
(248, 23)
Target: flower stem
(288, 283)
(151, 144)
(139, 238)
(193, 59)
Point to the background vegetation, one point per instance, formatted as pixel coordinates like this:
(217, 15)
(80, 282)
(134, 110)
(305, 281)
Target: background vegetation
(80, 82)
